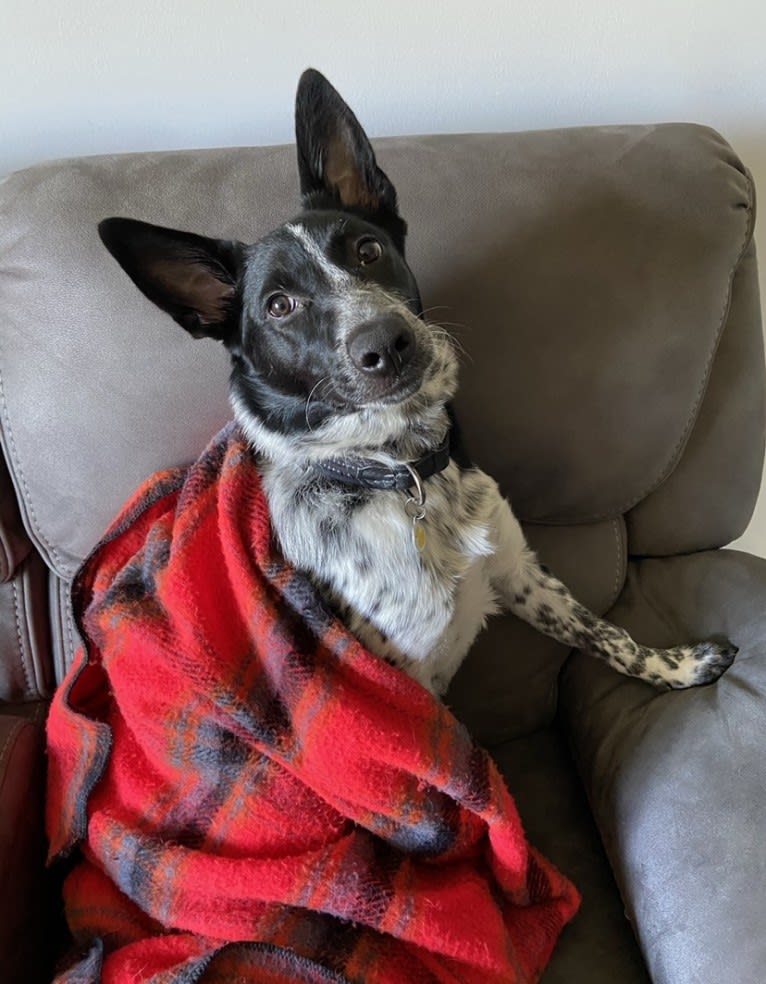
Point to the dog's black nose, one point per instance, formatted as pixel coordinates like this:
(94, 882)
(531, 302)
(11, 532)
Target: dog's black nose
(382, 347)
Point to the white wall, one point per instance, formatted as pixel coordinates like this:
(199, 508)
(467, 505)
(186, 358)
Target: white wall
(94, 76)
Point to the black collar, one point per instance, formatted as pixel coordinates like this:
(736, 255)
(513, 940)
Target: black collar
(367, 473)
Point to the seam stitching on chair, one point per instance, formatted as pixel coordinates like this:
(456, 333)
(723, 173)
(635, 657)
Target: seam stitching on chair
(6, 560)
(36, 659)
(64, 597)
(14, 454)
(19, 638)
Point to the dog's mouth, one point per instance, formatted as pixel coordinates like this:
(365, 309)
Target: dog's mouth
(360, 394)
(390, 390)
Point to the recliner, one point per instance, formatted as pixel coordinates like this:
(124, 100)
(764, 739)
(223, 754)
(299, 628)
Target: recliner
(603, 284)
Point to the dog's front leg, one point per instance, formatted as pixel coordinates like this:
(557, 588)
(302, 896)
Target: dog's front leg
(530, 591)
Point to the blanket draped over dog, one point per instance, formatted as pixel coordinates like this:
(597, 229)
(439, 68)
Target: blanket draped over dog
(253, 795)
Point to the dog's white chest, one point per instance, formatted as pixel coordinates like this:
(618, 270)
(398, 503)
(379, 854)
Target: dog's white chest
(414, 590)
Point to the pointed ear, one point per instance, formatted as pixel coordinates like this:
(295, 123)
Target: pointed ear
(335, 158)
(193, 278)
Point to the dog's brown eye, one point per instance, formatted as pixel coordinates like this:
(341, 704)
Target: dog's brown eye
(368, 251)
(280, 305)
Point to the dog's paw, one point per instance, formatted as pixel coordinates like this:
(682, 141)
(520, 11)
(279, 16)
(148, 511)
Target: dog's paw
(713, 659)
(696, 666)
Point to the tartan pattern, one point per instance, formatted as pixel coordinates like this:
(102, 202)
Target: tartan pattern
(254, 796)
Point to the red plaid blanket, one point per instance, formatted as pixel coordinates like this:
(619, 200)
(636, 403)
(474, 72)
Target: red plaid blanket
(253, 795)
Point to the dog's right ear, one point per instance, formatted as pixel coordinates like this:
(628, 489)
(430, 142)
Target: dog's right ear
(336, 162)
(191, 277)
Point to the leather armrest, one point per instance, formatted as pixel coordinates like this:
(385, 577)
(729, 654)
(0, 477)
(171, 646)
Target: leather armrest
(677, 781)
(25, 944)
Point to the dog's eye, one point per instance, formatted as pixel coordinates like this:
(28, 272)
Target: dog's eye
(368, 250)
(280, 305)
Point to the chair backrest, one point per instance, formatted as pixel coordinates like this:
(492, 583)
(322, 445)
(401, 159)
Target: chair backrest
(601, 281)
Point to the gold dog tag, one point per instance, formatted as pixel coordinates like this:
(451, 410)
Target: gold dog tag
(419, 535)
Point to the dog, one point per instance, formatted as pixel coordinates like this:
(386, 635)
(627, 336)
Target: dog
(344, 391)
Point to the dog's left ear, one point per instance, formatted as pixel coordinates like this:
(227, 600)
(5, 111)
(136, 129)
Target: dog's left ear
(191, 277)
(336, 161)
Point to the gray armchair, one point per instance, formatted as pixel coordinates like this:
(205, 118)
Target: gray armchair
(603, 285)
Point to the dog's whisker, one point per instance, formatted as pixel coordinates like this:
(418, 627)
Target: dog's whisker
(457, 345)
(459, 325)
(434, 307)
(442, 321)
(314, 389)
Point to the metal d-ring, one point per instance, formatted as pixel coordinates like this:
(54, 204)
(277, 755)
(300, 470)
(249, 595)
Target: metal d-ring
(415, 506)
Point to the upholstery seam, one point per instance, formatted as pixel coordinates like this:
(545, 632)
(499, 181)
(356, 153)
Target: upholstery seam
(16, 461)
(69, 645)
(17, 613)
(39, 652)
(6, 560)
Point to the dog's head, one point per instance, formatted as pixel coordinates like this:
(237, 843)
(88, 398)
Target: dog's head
(322, 316)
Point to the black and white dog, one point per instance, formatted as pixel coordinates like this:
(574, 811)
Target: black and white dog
(344, 390)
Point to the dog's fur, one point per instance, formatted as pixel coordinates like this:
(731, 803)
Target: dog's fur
(333, 359)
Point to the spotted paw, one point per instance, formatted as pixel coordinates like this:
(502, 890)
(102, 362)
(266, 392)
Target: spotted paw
(713, 659)
(696, 666)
